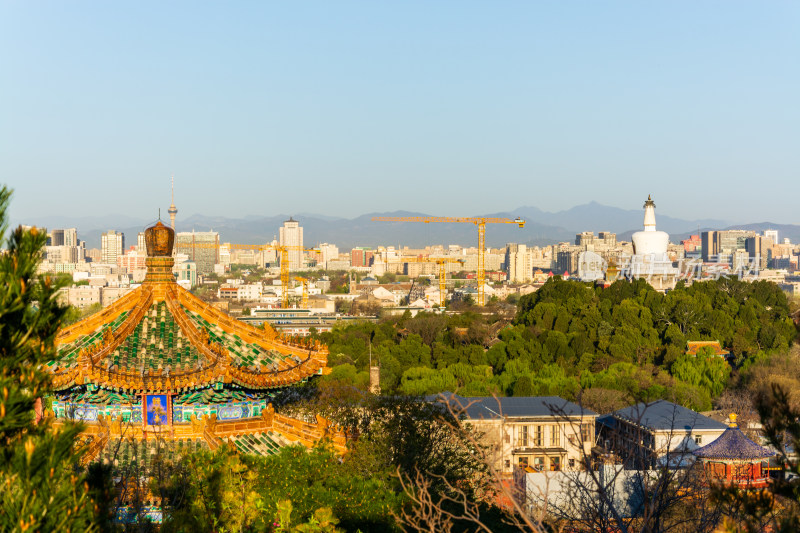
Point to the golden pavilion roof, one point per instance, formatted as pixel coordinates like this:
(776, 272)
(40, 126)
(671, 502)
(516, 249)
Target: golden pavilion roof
(160, 337)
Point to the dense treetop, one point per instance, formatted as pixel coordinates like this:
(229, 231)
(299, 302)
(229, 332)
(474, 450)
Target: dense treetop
(606, 346)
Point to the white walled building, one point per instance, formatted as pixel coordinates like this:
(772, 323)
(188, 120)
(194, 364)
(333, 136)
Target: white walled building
(291, 234)
(649, 435)
(327, 253)
(112, 245)
(546, 433)
(518, 263)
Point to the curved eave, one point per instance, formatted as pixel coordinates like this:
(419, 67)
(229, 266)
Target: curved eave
(222, 372)
(733, 445)
(300, 360)
(298, 364)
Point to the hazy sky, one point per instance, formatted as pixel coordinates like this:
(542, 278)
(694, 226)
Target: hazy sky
(450, 108)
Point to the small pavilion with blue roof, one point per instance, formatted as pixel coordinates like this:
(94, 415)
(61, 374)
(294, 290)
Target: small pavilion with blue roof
(735, 459)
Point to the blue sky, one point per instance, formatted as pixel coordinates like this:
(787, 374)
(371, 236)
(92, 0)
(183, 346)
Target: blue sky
(450, 108)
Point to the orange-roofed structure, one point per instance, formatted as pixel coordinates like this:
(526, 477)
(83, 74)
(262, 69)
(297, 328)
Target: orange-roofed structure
(693, 347)
(162, 364)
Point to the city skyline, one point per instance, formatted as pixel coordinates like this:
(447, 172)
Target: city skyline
(351, 108)
(541, 226)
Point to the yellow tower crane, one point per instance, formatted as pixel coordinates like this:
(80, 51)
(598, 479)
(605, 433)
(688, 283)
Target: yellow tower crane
(442, 262)
(478, 221)
(284, 251)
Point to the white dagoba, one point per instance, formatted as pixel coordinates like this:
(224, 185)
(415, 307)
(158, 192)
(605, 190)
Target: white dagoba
(650, 259)
(650, 243)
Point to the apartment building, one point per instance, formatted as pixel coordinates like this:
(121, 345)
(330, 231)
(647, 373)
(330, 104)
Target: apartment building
(518, 263)
(112, 246)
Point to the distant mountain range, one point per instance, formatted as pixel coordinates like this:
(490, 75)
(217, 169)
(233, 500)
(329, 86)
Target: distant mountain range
(541, 227)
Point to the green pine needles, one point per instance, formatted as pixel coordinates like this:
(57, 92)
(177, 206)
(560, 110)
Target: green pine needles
(41, 487)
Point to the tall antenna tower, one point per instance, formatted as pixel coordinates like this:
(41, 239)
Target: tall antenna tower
(172, 209)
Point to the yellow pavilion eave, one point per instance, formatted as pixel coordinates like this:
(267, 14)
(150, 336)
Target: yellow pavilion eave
(297, 362)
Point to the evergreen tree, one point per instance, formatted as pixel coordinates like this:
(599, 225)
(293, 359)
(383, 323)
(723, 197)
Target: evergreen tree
(40, 484)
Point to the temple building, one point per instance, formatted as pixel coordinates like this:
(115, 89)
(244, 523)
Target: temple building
(160, 363)
(733, 459)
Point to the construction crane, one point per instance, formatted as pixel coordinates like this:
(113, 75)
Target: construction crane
(304, 301)
(478, 221)
(441, 261)
(284, 251)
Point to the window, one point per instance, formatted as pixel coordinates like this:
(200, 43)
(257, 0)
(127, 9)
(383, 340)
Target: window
(555, 435)
(698, 439)
(586, 432)
(555, 464)
(508, 464)
(523, 436)
(571, 463)
(538, 433)
(522, 462)
(538, 464)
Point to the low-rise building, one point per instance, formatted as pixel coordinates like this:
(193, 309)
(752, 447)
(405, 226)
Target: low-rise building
(186, 271)
(545, 433)
(649, 435)
(83, 296)
(299, 322)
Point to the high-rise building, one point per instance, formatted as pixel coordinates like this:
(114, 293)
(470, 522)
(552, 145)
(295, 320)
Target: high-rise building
(759, 250)
(772, 234)
(112, 245)
(140, 244)
(518, 263)
(71, 237)
(584, 238)
(56, 237)
(566, 261)
(328, 252)
(708, 244)
(362, 257)
(722, 245)
(202, 247)
(64, 237)
(291, 234)
(608, 238)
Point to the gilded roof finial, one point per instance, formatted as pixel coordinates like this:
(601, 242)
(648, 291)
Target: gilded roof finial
(732, 418)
